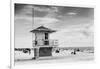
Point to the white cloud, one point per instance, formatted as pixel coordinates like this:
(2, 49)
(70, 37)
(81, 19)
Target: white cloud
(28, 11)
(23, 17)
(41, 9)
(46, 21)
(44, 9)
(75, 36)
(71, 13)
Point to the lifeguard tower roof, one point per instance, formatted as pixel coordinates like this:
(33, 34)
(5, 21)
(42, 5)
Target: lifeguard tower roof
(42, 29)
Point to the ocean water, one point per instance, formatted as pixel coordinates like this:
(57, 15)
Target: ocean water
(80, 48)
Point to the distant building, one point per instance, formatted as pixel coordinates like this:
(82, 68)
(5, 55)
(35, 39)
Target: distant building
(42, 44)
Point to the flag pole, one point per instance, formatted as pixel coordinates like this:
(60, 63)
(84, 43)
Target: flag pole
(32, 22)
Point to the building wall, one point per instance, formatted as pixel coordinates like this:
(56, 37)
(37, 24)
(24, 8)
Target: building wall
(40, 37)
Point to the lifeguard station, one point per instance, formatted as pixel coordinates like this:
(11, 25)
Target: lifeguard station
(42, 44)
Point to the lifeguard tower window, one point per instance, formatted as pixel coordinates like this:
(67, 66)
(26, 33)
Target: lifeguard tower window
(35, 42)
(46, 42)
(46, 35)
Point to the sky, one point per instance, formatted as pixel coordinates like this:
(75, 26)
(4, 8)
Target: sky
(74, 25)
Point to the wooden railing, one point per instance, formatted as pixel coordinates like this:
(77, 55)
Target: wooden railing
(45, 43)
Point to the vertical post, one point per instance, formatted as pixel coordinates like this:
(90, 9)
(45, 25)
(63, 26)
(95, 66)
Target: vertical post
(36, 53)
(32, 33)
(32, 22)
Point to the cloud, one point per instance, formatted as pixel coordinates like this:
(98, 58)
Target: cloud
(51, 11)
(84, 29)
(41, 9)
(24, 17)
(71, 13)
(45, 9)
(33, 10)
(76, 35)
(46, 21)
